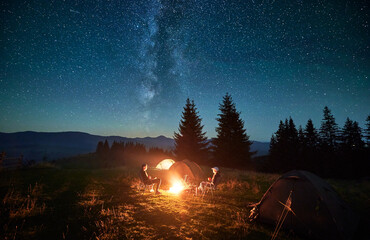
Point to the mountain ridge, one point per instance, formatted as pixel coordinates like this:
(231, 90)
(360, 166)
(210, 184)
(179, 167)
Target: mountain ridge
(54, 145)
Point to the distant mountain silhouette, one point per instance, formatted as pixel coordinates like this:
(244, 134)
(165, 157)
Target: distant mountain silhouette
(56, 145)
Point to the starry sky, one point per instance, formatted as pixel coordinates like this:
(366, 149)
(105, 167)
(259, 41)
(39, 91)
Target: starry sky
(124, 67)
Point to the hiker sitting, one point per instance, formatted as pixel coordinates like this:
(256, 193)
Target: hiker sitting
(212, 182)
(148, 179)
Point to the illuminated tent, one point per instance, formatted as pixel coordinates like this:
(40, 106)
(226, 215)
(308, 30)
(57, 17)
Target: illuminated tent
(191, 169)
(165, 164)
(318, 211)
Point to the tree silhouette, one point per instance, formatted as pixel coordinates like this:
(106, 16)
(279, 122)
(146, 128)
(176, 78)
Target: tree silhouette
(329, 144)
(351, 154)
(367, 131)
(351, 137)
(99, 148)
(117, 152)
(106, 148)
(278, 146)
(331, 153)
(311, 136)
(285, 146)
(232, 145)
(329, 130)
(310, 152)
(191, 142)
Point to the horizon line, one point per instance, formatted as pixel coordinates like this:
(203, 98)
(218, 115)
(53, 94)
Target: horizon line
(70, 131)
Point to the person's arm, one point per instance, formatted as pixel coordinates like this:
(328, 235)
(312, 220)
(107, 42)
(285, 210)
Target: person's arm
(144, 176)
(216, 179)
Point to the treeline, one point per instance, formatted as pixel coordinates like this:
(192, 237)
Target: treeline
(129, 153)
(329, 151)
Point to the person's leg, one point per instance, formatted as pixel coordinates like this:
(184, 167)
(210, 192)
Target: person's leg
(201, 186)
(150, 182)
(158, 182)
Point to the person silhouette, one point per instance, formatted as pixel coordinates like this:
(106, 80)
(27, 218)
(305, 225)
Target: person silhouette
(148, 179)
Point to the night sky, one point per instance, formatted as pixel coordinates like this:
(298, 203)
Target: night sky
(126, 67)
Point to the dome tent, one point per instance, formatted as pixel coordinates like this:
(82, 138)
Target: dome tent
(165, 164)
(318, 211)
(189, 168)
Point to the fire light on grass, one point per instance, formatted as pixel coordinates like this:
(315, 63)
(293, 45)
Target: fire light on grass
(177, 187)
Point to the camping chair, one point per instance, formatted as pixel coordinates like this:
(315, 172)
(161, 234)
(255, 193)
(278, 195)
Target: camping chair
(210, 187)
(189, 186)
(144, 186)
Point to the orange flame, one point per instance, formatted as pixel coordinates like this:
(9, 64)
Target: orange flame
(177, 187)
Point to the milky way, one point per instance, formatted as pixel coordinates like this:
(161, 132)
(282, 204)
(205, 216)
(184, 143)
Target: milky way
(127, 67)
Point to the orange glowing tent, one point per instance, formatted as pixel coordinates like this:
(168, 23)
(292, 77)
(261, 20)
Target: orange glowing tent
(165, 164)
(191, 169)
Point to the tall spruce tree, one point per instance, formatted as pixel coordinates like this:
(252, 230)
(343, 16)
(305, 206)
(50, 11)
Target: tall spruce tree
(351, 137)
(278, 144)
(100, 148)
(311, 136)
(367, 132)
(106, 147)
(329, 130)
(293, 133)
(284, 149)
(301, 138)
(232, 145)
(358, 143)
(191, 142)
(310, 154)
(331, 164)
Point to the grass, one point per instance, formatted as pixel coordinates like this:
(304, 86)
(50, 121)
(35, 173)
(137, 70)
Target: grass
(47, 202)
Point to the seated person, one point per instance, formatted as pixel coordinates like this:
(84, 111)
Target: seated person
(211, 181)
(148, 179)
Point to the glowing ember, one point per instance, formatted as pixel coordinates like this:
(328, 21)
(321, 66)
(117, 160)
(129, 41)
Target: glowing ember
(177, 187)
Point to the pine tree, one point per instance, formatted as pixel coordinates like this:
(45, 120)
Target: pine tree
(351, 136)
(191, 142)
(284, 151)
(358, 143)
(279, 137)
(117, 152)
(311, 135)
(278, 145)
(329, 130)
(99, 148)
(301, 138)
(300, 149)
(106, 148)
(311, 155)
(232, 145)
(367, 131)
(292, 150)
(331, 163)
(293, 133)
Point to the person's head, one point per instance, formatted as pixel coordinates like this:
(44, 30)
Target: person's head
(215, 170)
(144, 166)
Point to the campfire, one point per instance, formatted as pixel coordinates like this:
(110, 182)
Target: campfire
(177, 187)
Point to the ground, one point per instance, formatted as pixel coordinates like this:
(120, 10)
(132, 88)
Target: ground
(58, 203)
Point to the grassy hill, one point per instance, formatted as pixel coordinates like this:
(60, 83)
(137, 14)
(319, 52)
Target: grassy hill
(51, 202)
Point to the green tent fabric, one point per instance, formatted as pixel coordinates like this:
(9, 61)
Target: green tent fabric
(191, 169)
(318, 211)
